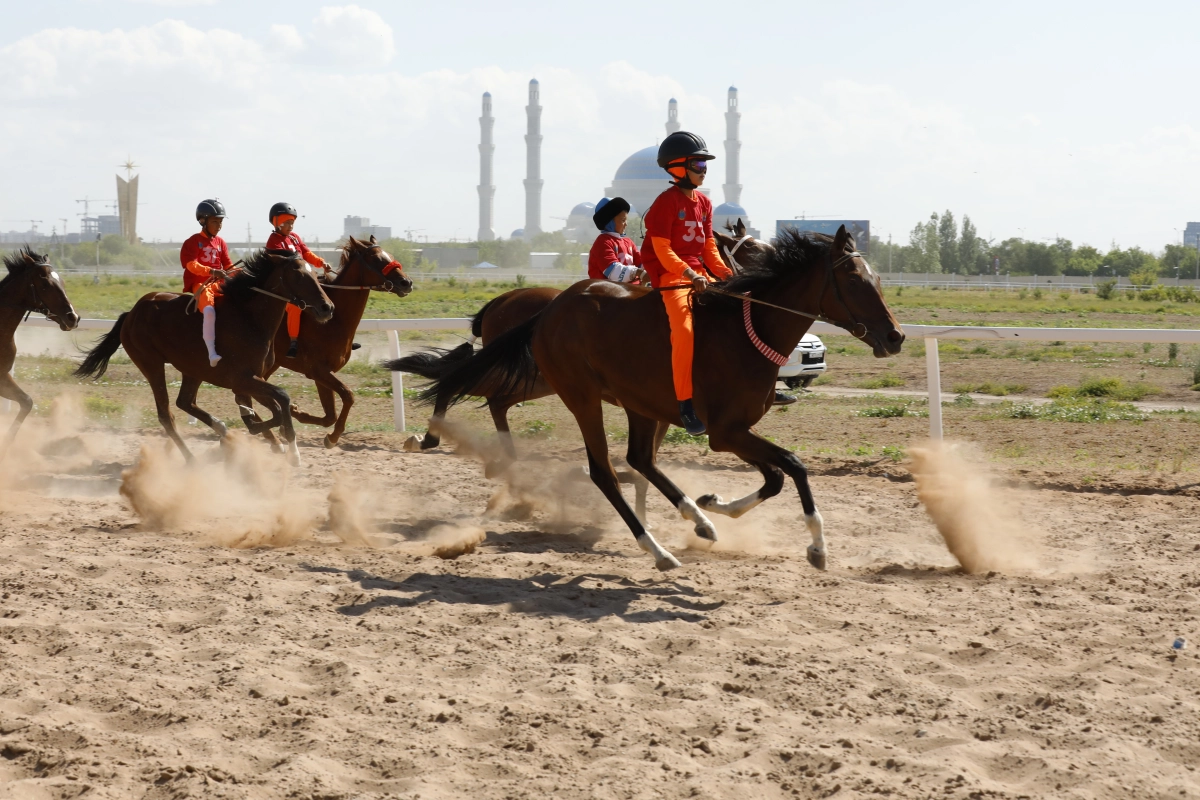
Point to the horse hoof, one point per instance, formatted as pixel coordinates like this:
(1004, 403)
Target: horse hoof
(413, 444)
(816, 556)
(330, 442)
(275, 448)
(667, 563)
(706, 532)
(708, 501)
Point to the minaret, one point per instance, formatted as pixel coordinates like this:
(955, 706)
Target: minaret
(533, 164)
(487, 189)
(672, 117)
(733, 149)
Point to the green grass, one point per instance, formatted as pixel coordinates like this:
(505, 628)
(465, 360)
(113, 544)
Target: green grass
(680, 436)
(894, 452)
(537, 428)
(989, 387)
(99, 407)
(881, 382)
(892, 410)
(1091, 409)
(1110, 388)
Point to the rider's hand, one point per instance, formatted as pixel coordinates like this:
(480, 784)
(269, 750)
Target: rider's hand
(699, 283)
(219, 273)
(641, 276)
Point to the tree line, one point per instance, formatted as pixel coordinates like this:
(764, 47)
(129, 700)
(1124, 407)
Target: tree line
(943, 244)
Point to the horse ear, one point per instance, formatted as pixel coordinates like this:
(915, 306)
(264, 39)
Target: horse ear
(372, 238)
(841, 239)
(740, 228)
(353, 242)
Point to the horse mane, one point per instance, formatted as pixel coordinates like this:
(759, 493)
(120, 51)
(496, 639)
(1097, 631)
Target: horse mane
(792, 251)
(18, 264)
(256, 268)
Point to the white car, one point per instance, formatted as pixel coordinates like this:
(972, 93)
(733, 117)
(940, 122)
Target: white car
(805, 364)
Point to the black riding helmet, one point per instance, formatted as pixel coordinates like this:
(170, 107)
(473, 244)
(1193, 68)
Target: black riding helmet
(209, 208)
(682, 144)
(281, 208)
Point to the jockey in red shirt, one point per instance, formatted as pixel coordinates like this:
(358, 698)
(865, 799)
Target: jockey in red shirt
(682, 249)
(282, 218)
(205, 260)
(614, 256)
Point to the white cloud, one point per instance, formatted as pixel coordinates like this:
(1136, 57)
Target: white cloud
(353, 36)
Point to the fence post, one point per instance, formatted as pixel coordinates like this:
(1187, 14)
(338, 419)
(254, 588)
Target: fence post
(397, 382)
(933, 378)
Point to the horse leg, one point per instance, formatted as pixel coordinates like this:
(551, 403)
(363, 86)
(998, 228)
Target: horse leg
(432, 437)
(499, 406)
(770, 458)
(156, 375)
(327, 406)
(347, 396)
(10, 391)
(277, 400)
(772, 485)
(644, 438)
(254, 424)
(591, 424)
(186, 401)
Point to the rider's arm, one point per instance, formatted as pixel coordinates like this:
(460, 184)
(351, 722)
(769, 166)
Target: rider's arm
(672, 264)
(713, 260)
(309, 255)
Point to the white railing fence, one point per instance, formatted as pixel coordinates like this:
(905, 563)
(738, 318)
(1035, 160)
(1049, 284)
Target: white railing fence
(930, 333)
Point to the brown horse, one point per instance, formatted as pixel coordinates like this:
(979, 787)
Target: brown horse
(802, 277)
(505, 312)
(31, 285)
(325, 349)
(162, 328)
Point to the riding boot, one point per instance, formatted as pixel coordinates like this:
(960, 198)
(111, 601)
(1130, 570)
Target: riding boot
(783, 398)
(691, 423)
(293, 348)
(208, 330)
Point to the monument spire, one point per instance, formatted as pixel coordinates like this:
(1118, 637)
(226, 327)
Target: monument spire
(533, 164)
(487, 189)
(733, 149)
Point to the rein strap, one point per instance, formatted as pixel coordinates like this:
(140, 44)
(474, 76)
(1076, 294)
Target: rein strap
(778, 359)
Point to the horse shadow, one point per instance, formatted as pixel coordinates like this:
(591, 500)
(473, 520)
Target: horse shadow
(586, 598)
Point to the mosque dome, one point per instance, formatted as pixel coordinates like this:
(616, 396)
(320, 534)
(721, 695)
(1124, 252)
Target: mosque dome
(642, 165)
(519, 233)
(583, 210)
(729, 210)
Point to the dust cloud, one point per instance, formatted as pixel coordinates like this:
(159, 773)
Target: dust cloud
(980, 527)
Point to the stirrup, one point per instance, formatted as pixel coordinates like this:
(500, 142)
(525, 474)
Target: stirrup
(691, 422)
(293, 348)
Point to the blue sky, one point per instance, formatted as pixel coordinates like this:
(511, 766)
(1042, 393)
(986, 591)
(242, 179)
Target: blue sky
(1037, 119)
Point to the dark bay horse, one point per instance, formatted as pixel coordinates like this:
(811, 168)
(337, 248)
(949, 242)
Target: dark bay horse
(163, 328)
(802, 276)
(325, 349)
(505, 312)
(31, 286)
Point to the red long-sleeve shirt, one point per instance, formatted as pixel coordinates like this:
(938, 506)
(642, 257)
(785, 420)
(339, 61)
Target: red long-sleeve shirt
(293, 242)
(609, 249)
(683, 227)
(200, 255)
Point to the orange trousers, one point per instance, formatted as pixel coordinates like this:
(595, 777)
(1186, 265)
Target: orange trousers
(682, 340)
(293, 319)
(206, 295)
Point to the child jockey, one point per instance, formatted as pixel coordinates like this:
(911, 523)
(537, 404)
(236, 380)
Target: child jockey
(614, 255)
(205, 260)
(282, 218)
(682, 249)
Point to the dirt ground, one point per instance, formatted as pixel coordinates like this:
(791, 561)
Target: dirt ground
(261, 632)
(241, 629)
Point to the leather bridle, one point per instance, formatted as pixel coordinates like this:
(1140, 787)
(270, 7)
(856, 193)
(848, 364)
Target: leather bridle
(38, 305)
(385, 286)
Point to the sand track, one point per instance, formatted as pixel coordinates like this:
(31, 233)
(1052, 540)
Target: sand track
(155, 661)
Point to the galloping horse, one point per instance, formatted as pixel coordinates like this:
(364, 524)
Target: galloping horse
(325, 349)
(31, 285)
(162, 329)
(803, 277)
(505, 312)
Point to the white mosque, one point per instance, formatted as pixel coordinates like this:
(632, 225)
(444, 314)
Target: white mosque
(639, 179)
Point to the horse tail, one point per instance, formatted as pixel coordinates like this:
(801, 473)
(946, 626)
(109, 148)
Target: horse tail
(477, 320)
(95, 361)
(432, 363)
(504, 367)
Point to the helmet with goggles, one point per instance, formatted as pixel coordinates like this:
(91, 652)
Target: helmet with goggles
(281, 210)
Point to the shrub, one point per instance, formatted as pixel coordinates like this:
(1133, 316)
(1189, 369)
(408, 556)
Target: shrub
(1106, 289)
(520, 280)
(1106, 388)
(894, 452)
(1144, 277)
(896, 410)
(1037, 293)
(1173, 350)
(1077, 410)
(1155, 294)
(680, 436)
(537, 428)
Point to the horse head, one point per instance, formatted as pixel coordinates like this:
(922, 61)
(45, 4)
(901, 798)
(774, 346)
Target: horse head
(738, 247)
(300, 284)
(44, 292)
(853, 298)
(387, 272)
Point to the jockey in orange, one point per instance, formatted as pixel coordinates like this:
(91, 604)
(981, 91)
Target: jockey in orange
(282, 218)
(681, 251)
(206, 263)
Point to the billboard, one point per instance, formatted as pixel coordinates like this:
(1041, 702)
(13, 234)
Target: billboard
(859, 228)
